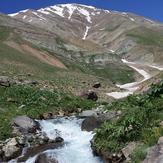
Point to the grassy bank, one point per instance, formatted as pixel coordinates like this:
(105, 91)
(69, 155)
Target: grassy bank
(139, 122)
(31, 101)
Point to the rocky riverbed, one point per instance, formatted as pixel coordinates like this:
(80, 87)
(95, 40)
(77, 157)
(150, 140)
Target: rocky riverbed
(61, 137)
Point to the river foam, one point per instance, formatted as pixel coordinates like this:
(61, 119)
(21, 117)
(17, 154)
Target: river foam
(77, 147)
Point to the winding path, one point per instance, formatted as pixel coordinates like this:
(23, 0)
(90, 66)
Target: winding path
(132, 87)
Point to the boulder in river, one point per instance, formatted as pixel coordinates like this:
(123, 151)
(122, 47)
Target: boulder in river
(94, 120)
(90, 123)
(24, 124)
(43, 158)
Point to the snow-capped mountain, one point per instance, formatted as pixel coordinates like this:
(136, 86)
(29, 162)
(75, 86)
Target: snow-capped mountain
(104, 29)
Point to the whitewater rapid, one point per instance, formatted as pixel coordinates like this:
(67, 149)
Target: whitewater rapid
(77, 147)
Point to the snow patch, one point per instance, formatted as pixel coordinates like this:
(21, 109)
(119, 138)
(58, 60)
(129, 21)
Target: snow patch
(149, 20)
(132, 19)
(129, 87)
(119, 95)
(30, 21)
(86, 32)
(14, 14)
(43, 11)
(112, 51)
(71, 9)
(41, 18)
(24, 17)
(124, 13)
(85, 13)
(58, 10)
(156, 67)
(107, 11)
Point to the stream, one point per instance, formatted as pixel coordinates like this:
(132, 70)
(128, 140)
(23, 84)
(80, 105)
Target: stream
(77, 147)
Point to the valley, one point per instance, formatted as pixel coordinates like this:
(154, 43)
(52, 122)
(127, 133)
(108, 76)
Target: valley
(76, 80)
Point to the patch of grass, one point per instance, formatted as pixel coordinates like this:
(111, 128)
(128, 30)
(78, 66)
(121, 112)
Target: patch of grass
(139, 153)
(34, 102)
(116, 72)
(4, 33)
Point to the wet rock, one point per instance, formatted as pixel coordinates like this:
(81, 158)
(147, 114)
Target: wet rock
(59, 140)
(97, 85)
(94, 120)
(11, 149)
(21, 141)
(24, 124)
(34, 150)
(90, 123)
(43, 158)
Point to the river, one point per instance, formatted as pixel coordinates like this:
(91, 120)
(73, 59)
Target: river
(77, 147)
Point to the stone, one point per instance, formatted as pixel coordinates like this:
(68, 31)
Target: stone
(97, 85)
(48, 115)
(25, 124)
(128, 150)
(93, 120)
(4, 81)
(90, 95)
(161, 123)
(90, 123)
(88, 113)
(43, 158)
(21, 140)
(12, 149)
(59, 140)
(30, 82)
(155, 153)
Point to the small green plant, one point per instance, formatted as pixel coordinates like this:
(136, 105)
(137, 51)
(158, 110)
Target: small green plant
(139, 153)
